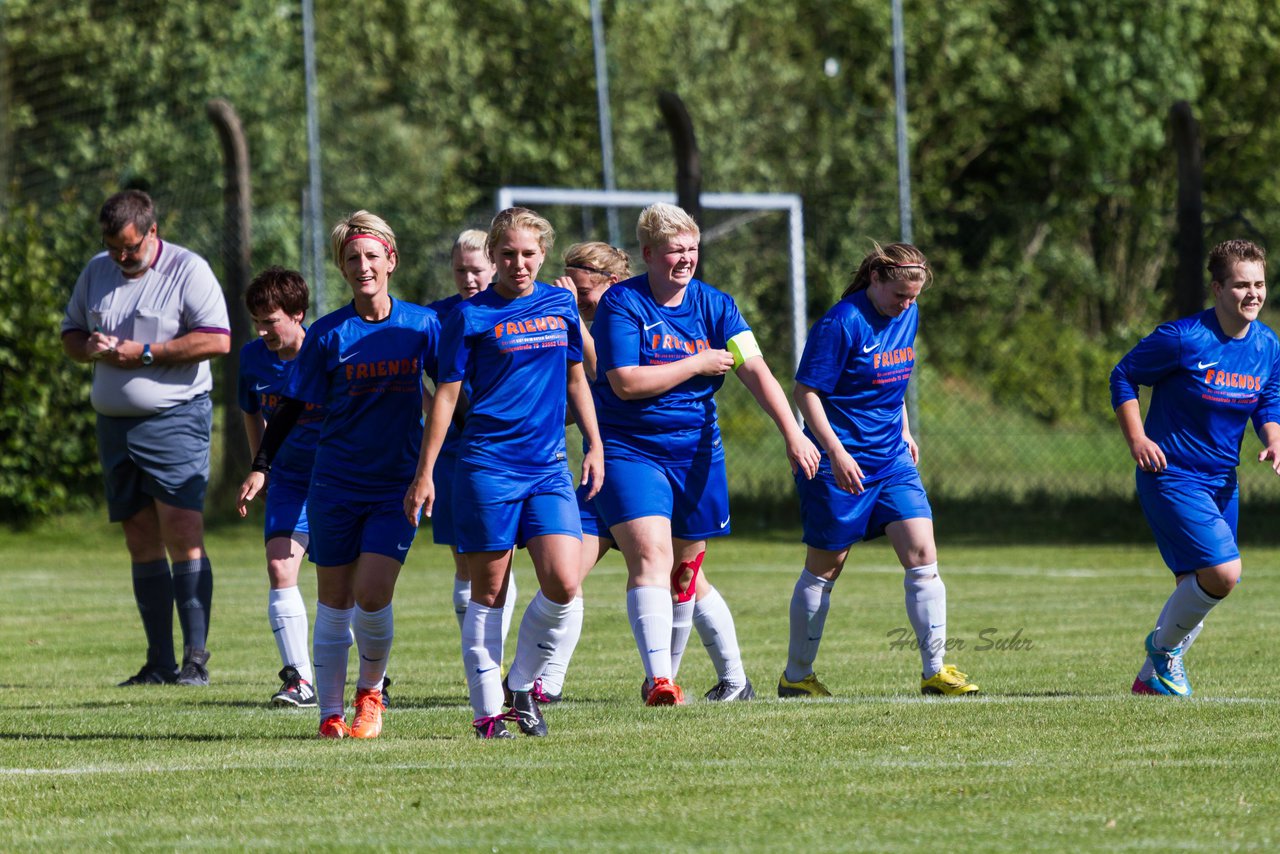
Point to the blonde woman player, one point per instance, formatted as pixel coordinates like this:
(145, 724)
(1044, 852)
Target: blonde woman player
(364, 363)
(665, 341)
(518, 347)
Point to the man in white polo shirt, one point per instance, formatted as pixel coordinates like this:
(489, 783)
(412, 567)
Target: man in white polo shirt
(148, 315)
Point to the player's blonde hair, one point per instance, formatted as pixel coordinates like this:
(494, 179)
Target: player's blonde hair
(361, 224)
(599, 259)
(471, 240)
(521, 219)
(660, 222)
(896, 262)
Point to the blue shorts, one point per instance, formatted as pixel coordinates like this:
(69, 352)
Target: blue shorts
(592, 522)
(286, 507)
(346, 528)
(834, 519)
(1194, 521)
(694, 495)
(507, 509)
(162, 457)
(442, 533)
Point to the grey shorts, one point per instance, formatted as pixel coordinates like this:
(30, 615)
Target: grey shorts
(162, 457)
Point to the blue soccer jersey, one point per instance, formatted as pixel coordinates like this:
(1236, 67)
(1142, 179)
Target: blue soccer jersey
(859, 362)
(512, 356)
(630, 330)
(369, 377)
(443, 308)
(263, 377)
(1205, 387)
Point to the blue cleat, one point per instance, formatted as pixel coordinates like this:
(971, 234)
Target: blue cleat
(1169, 678)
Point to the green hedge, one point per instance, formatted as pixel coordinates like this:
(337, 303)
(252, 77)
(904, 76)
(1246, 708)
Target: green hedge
(48, 458)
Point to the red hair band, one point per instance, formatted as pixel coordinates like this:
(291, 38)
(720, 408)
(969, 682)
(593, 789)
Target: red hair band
(359, 234)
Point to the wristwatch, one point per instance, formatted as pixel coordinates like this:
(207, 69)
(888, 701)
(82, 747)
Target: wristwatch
(147, 356)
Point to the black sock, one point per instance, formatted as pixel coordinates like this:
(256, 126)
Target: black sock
(193, 591)
(153, 591)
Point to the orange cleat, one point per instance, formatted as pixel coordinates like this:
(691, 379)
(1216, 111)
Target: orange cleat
(334, 726)
(368, 720)
(665, 693)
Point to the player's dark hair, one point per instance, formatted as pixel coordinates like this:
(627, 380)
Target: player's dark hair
(276, 287)
(895, 262)
(131, 207)
(1227, 253)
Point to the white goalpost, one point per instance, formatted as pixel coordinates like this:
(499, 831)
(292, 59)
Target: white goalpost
(789, 202)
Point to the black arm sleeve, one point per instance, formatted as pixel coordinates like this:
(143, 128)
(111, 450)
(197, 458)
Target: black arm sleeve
(277, 431)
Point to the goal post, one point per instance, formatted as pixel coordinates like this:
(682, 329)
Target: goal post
(788, 202)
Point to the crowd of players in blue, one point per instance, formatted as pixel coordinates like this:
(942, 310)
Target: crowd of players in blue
(337, 414)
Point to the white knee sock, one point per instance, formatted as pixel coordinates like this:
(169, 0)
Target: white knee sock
(649, 612)
(461, 598)
(509, 607)
(714, 623)
(287, 614)
(374, 631)
(542, 630)
(1186, 608)
(482, 658)
(331, 640)
(810, 601)
(681, 628)
(553, 674)
(927, 613)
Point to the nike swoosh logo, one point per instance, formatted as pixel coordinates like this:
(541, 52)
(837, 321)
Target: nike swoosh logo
(262, 387)
(940, 625)
(872, 347)
(726, 521)
(486, 669)
(1177, 689)
(549, 646)
(1200, 366)
(403, 548)
(277, 631)
(659, 649)
(364, 657)
(348, 356)
(649, 326)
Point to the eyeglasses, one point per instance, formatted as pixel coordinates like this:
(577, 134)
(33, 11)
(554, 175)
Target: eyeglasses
(595, 270)
(130, 249)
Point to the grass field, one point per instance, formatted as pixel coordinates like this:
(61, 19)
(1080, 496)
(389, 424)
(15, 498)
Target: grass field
(1055, 754)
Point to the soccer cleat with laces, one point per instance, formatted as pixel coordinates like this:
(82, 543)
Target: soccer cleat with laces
(665, 693)
(334, 726)
(528, 715)
(151, 674)
(723, 692)
(1170, 677)
(368, 720)
(296, 692)
(193, 670)
(542, 696)
(809, 686)
(386, 696)
(494, 726)
(948, 682)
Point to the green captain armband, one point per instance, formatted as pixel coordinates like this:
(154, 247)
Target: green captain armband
(743, 346)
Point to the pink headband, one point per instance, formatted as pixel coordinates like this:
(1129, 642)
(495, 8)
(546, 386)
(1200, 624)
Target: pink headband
(358, 235)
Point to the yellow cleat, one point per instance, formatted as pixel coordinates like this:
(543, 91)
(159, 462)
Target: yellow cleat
(949, 682)
(809, 686)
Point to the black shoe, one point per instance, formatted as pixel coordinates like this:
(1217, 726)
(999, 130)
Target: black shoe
(386, 698)
(493, 727)
(193, 670)
(296, 692)
(542, 696)
(528, 715)
(151, 674)
(723, 692)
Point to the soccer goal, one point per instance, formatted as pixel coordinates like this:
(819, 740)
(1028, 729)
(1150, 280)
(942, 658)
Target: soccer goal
(757, 202)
